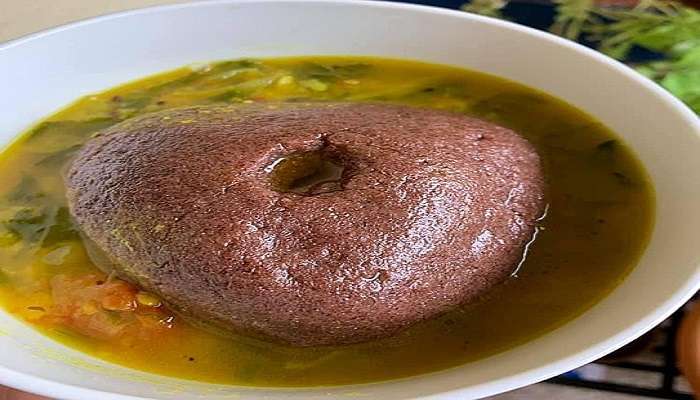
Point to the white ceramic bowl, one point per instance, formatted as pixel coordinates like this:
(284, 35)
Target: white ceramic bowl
(45, 71)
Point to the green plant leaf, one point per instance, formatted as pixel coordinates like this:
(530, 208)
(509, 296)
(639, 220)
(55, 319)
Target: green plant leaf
(28, 224)
(58, 158)
(25, 191)
(75, 130)
(330, 73)
(62, 229)
(662, 26)
(489, 8)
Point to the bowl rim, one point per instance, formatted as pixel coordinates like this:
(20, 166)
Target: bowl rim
(46, 387)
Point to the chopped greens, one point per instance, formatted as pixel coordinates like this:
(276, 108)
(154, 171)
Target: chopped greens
(175, 83)
(228, 95)
(27, 190)
(330, 73)
(139, 101)
(77, 130)
(234, 65)
(31, 216)
(27, 224)
(62, 229)
(252, 85)
(58, 158)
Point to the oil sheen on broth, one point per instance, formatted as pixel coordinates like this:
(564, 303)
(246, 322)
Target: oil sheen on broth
(599, 218)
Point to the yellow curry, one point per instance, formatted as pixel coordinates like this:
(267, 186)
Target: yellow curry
(599, 218)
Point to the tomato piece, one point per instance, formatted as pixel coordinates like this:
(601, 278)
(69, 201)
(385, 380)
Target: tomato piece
(102, 309)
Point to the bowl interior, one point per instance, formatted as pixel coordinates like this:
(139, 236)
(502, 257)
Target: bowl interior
(46, 71)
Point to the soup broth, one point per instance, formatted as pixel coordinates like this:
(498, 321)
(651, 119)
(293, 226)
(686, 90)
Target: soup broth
(599, 219)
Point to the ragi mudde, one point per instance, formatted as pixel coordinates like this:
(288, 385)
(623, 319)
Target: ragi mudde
(310, 224)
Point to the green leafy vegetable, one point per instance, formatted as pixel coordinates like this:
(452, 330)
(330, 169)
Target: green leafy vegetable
(26, 190)
(62, 229)
(46, 226)
(227, 96)
(136, 100)
(330, 73)
(77, 130)
(225, 68)
(131, 104)
(173, 84)
(27, 224)
(234, 65)
(57, 159)
(252, 85)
